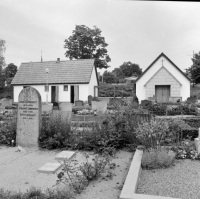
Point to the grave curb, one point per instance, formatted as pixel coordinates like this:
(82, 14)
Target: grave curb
(132, 179)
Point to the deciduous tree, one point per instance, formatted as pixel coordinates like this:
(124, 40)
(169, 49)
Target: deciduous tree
(109, 77)
(193, 72)
(86, 43)
(10, 71)
(2, 59)
(129, 69)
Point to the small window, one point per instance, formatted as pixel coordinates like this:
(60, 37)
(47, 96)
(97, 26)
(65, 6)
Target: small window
(46, 88)
(65, 87)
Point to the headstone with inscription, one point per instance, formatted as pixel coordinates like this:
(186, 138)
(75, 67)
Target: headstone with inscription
(28, 118)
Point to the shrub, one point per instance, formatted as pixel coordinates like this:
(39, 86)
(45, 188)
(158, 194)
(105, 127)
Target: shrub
(186, 131)
(55, 132)
(152, 134)
(115, 90)
(193, 122)
(8, 130)
(34, 193)
(170, 108)
(157, 158)
(79, 177)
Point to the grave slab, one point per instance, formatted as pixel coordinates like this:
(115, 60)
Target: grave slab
(65, 155)
(49, 168)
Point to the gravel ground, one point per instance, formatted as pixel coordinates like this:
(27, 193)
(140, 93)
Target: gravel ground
(18, 172)
(179, 181)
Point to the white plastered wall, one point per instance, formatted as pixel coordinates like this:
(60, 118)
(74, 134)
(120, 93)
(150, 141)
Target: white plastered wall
(40, 88)
(83, 92)
(141, 91)
(63, 96)
(93, 82)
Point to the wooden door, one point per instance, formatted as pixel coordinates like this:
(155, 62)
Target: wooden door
(162, 93)
(53, 94)
(72, 94)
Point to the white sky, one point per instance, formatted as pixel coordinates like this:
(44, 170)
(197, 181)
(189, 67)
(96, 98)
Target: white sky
(136, 31)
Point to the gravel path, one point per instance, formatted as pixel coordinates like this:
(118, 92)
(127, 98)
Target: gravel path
(179, 181)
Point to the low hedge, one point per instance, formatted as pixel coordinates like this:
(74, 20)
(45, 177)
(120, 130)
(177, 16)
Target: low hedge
(173, 109)
(185, 130)
(193, 122)
(118, 91)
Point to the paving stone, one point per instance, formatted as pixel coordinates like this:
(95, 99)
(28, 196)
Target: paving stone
(65, 155)
(49, 168)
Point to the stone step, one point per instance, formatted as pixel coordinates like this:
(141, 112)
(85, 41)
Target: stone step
(65, 155)
(49, 168)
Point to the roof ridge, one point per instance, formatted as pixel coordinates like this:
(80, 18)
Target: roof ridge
(162, 54)
(57, 61)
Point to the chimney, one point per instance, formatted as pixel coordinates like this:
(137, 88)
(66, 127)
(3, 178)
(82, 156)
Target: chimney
(58, 60)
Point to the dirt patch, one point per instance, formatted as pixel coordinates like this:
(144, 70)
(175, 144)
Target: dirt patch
(18, 172)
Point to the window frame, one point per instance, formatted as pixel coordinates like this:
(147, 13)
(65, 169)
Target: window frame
(65, 86)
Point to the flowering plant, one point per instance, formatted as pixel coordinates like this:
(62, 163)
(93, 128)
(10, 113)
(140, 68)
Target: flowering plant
(191, 154)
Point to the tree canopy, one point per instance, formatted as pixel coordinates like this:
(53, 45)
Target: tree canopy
(193, 72)
(86, 43)
(2, 59)
(109, 77)
(10, 71)
(129, 69)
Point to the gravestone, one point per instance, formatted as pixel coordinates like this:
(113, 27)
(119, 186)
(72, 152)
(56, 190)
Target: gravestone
(145, 104)
(100, 107)
(197, 143)
(28, 118)
(90, 98)
(79, 103)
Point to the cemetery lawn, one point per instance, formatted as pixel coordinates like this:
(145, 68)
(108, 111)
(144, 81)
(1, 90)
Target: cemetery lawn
(18, 171)
(179, 181)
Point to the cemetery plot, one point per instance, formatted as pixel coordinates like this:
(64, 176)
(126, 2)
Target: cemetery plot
(19, 172)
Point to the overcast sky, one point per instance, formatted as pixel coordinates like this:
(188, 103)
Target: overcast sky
(136, 31)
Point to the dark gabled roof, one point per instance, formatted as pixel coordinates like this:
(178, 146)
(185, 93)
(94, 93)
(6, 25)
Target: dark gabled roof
(162, 54)
(60, 72)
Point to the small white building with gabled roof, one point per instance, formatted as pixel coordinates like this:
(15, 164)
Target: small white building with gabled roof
(163, 81)
(67, 81)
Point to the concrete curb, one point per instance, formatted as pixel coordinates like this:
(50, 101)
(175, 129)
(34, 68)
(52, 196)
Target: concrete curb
(132, 179)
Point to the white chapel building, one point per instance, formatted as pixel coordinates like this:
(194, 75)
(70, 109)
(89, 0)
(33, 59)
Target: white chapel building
(163, 81)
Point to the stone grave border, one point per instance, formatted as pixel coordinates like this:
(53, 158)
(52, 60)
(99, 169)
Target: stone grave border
(132, 179)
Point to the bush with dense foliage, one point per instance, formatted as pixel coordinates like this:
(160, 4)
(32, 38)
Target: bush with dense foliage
(193, 122)
(8, 130)
(116, 91)
(34, 193)
(111, 132)
(55, 132)
(184, 130)
(152, 134)
(170, 108)
(157, 158)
